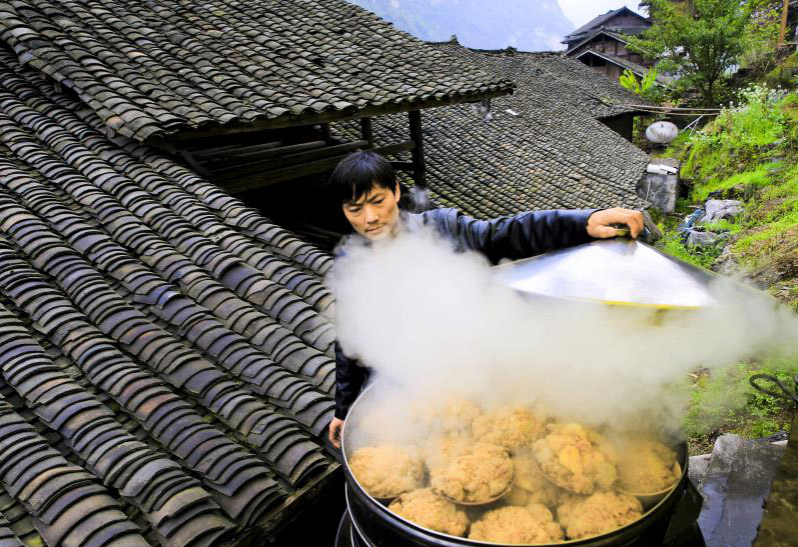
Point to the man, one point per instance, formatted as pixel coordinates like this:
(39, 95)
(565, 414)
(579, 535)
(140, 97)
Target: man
(365, 185)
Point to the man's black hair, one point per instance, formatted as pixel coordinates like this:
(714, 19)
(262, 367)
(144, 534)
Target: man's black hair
(358, 173)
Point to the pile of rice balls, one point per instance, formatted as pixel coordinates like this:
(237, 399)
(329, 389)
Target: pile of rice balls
(513, 476)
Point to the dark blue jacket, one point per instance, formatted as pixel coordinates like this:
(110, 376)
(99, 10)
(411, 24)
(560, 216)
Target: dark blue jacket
(521, 236)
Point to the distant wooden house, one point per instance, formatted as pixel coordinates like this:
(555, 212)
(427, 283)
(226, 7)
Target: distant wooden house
(603, 43)
(611, 45)
(620, 21)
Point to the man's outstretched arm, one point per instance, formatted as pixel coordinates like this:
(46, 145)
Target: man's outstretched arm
(535, 232)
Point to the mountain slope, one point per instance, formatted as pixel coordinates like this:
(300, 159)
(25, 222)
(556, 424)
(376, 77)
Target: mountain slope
(529, 25)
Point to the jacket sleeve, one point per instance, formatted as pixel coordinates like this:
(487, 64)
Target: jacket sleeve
(350, 376)
(520, 236)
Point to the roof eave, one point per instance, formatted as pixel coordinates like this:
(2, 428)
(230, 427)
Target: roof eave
(635, 68)
(599, 20)
(596, 33)
(283, 122)
(631, 110)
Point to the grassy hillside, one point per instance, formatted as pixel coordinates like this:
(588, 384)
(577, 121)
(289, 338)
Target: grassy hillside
(747, 153)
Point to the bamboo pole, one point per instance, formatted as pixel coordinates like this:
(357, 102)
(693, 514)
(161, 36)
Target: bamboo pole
(783, 29)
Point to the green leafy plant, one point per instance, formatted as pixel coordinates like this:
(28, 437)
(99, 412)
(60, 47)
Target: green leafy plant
(629, 81)
(724, 400)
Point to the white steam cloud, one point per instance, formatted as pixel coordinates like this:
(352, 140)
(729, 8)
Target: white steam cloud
(434, 323)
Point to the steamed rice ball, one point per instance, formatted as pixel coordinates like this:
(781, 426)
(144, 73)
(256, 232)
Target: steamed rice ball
(482, 473)
(428, 509)
(388, 470)
(517, 525)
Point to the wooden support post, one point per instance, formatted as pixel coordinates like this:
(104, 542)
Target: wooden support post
(783, 29)
(419, 169)
(326, 133)
(367, 131)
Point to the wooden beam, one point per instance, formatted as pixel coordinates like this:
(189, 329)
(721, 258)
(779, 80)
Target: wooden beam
(268, 178)
(232, 148)
(262, 157)
(194, 164)
(236, 184)
(167, 142)
(419, 168)
(278, 525)
(222, 175)
(253, 152)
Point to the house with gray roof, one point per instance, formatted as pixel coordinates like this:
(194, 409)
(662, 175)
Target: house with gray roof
(242, 91)
(166, 363)
(621, 20)
(602, 44)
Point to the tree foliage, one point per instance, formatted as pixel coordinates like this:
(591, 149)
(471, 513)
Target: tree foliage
(698, 41)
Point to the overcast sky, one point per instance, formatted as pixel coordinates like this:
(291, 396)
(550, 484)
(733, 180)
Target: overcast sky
(582, 11)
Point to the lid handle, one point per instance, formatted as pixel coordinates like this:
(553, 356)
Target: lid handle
(622, 230)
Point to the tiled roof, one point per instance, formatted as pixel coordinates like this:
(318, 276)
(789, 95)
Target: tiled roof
(542, 149)
(550, 80)
(165, 352)
(149, 69)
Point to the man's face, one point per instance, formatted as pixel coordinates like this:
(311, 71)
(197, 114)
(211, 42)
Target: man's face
(376, 214)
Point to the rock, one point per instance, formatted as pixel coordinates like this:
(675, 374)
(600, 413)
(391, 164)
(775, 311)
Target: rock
(741, 191)
(717, 194)
(661, 190)
(691, 219)
(734, 487)
(726, 265)
(697, 467)
(704, 239)
(719, 209)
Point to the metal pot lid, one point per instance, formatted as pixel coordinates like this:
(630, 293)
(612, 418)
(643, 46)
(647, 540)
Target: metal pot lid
(619, 271)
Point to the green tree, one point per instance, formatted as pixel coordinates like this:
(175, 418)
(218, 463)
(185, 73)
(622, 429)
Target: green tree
(698, 41)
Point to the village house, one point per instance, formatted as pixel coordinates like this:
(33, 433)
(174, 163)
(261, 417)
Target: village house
(602, 44)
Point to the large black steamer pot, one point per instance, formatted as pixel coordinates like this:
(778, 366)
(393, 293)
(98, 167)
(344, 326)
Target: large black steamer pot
(669, 522)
